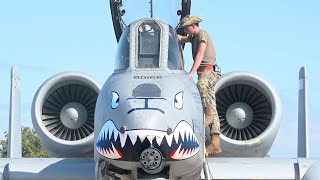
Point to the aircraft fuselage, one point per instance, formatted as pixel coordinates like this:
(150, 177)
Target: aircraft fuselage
(149, 116)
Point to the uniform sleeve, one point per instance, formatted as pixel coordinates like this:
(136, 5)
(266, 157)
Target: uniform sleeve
(203, 37)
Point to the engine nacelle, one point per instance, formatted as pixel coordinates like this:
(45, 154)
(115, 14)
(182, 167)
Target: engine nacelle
(250, 113)
(63, 114)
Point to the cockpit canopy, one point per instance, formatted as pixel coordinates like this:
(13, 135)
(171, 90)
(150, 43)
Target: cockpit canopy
(149, 44)
(124, 12)
(153, 43)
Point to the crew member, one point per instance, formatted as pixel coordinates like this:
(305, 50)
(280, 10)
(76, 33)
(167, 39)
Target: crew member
(205, 64)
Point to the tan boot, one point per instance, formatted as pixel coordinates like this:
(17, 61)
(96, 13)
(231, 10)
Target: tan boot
(214, 147)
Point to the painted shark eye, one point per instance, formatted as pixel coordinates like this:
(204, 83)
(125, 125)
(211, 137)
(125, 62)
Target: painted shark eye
(178, 100)
(115, 100)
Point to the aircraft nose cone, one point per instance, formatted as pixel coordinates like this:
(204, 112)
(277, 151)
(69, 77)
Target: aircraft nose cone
(73, 115)
(239, 115)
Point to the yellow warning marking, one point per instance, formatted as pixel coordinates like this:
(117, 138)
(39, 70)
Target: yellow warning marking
(251, 144)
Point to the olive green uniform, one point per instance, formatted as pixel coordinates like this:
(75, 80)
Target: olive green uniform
(209, 57)
(207, 80)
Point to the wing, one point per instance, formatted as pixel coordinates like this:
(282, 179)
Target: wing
(261, 168)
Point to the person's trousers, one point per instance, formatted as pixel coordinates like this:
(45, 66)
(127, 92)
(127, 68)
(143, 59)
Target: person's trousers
(206, 82)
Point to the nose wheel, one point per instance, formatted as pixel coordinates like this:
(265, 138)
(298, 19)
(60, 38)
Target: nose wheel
(151, 160)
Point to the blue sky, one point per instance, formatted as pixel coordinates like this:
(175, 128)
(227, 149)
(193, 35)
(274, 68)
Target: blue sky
(269, 37)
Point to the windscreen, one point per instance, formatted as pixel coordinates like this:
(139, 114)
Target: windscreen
(122, 55)
(174, 51)
(149, 45)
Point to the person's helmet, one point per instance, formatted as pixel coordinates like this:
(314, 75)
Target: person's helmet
(189, 20)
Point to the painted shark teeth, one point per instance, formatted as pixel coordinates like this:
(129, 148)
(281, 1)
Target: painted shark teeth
(111, 153)
(133, 137)
(182, 133)
(184, 153)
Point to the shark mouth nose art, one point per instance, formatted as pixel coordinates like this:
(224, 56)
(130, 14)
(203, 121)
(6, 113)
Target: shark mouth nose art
(181, 144)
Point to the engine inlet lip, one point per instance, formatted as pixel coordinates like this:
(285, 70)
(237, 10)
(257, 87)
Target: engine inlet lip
(255, 80)
(49, 86)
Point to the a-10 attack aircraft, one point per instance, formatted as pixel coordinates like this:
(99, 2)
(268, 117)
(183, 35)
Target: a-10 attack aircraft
(146, 121)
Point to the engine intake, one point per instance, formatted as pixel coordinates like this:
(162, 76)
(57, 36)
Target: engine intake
(63, 114)
(249, 111)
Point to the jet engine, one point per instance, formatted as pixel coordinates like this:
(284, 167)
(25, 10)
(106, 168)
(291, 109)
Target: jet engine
(250, 113)
(63, 114)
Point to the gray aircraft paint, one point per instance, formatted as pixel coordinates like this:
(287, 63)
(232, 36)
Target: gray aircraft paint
(313, 172)
(219, 168)
(263, 168)
(303, 115)
(47, 169)
(59, 102)
(234, 90)
(125, 107)
(14, 136)
(156, 122)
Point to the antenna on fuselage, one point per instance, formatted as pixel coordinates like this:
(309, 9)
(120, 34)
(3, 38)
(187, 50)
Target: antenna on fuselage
(303, 115)
(151, 9)
(14, 136)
